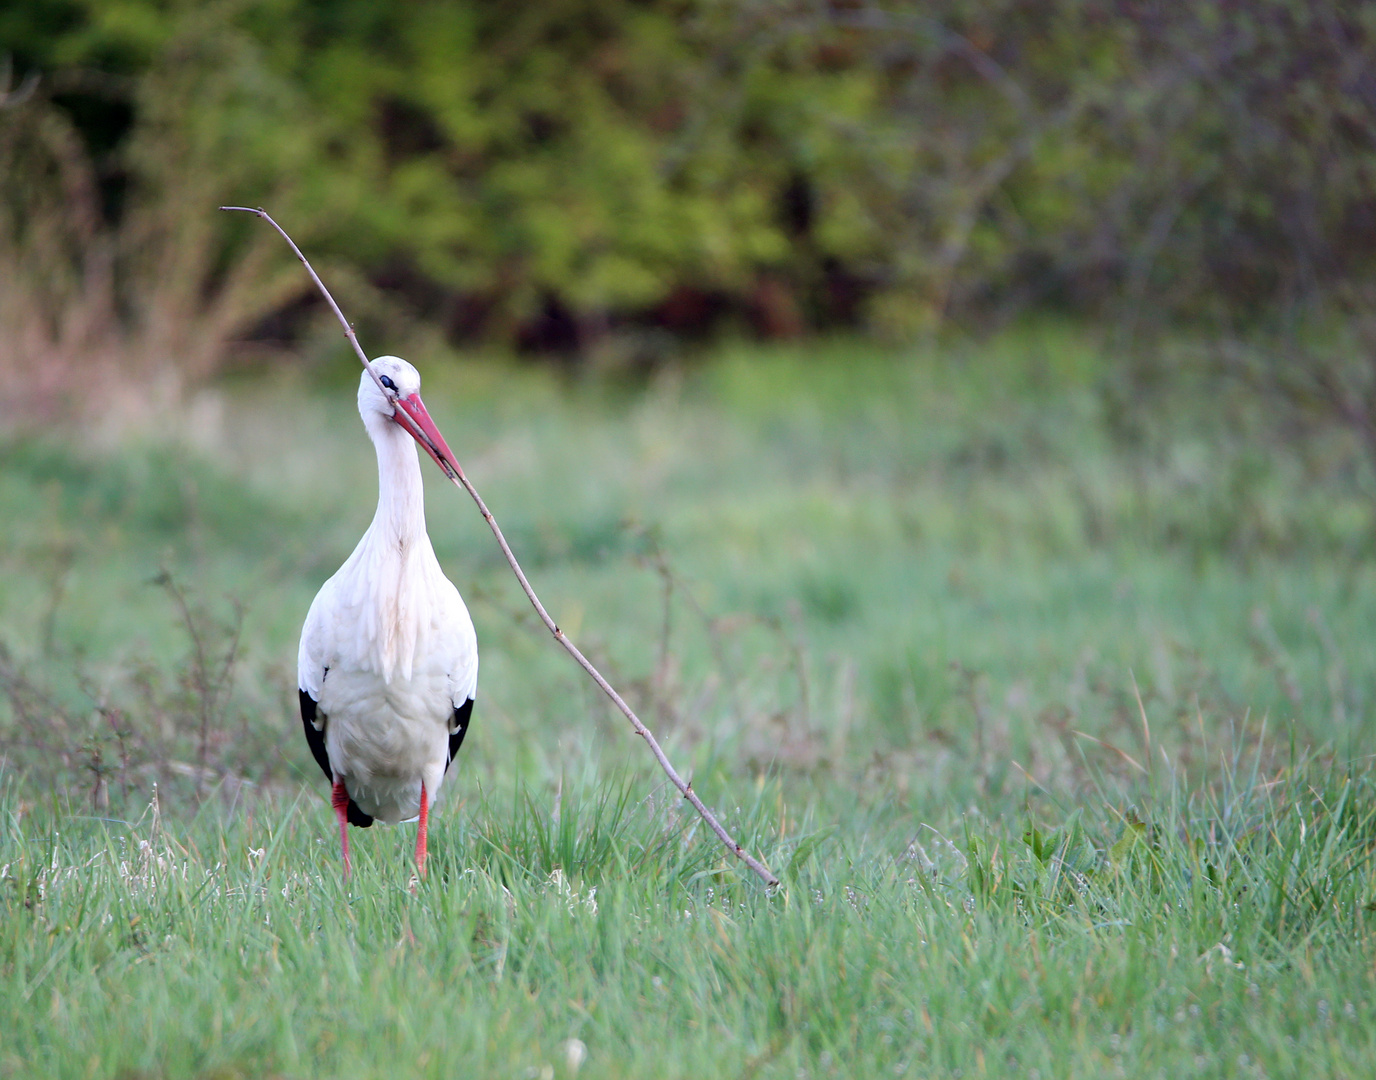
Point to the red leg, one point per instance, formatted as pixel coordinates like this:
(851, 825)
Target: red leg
(340, 798)
(422, 831)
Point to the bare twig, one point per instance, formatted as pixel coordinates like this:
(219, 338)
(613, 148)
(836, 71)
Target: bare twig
(457, 476)
(1109, 746)
(16, 95)
(208, 679)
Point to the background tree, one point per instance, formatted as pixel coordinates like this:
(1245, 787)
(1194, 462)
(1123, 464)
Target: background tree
(583, 177)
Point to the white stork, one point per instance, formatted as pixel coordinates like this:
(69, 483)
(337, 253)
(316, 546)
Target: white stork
(388, 664)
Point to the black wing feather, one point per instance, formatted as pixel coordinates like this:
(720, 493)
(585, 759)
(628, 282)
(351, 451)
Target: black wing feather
(315, 739)
(461, 716)
(356, 816)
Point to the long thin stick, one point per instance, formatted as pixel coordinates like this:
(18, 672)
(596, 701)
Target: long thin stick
(460, 480)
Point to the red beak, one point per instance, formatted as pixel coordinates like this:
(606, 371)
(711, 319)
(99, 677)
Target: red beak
(413, 416)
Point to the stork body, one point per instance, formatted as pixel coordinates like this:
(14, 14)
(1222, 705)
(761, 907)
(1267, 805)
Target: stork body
(388, 663)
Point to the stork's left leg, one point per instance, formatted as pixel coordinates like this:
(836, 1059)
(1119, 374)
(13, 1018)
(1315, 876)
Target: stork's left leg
(421, 831)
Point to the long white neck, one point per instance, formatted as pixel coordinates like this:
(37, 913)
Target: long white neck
(392, 562)
(400, 516)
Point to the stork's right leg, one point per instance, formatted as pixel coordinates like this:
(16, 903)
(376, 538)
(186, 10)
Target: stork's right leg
(422, 830)
(340, 798)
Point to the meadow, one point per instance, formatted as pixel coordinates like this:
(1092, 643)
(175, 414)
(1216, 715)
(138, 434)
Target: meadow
(1053, 720)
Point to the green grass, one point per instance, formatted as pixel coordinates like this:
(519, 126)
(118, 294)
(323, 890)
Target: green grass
(1228, 935)
(1059, 737)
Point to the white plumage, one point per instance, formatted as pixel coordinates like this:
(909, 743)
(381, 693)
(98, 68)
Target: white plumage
(388, 663)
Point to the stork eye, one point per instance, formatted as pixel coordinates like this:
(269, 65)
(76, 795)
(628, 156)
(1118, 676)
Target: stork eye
(387, 382)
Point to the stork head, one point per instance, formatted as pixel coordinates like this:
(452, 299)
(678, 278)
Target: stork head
(398, 401)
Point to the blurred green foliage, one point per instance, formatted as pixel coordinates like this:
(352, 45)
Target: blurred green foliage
(557, 174)
(858, 569)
